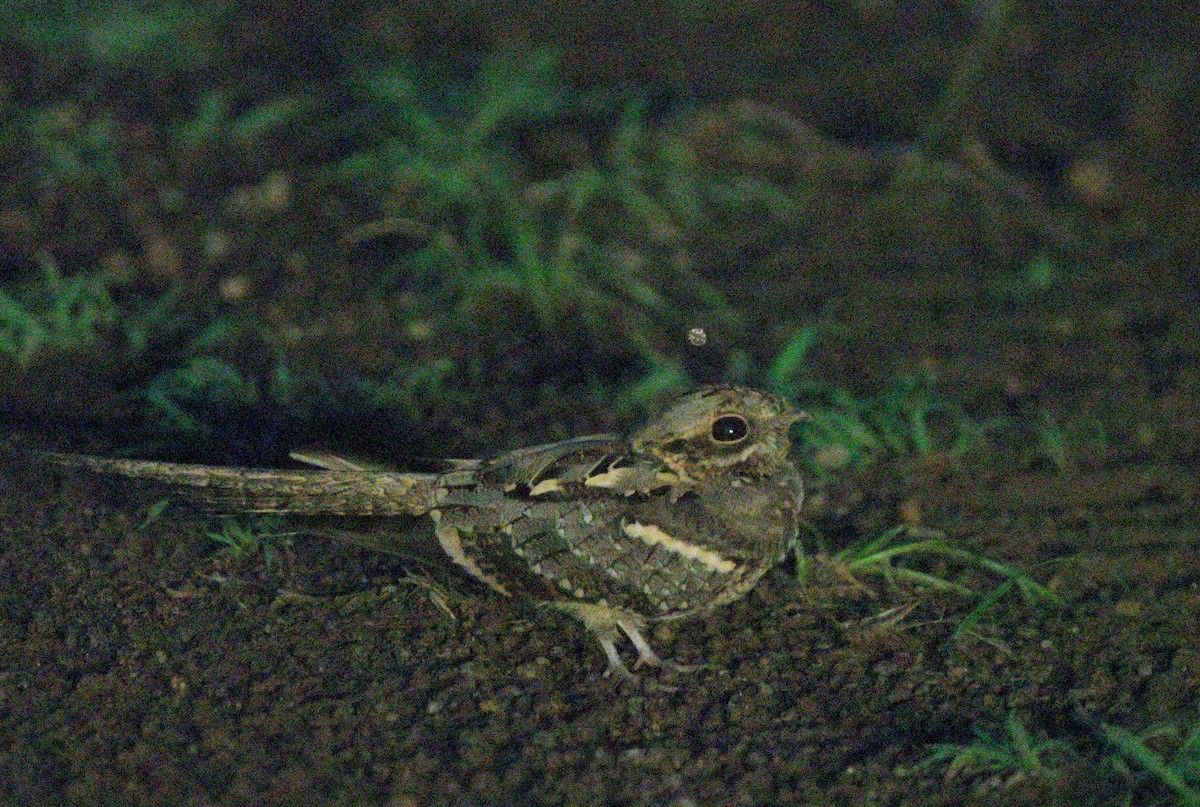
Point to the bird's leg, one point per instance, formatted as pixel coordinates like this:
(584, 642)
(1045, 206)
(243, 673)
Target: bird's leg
(646, 655)
(607, 623)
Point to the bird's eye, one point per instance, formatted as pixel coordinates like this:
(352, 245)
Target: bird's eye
(729, 429)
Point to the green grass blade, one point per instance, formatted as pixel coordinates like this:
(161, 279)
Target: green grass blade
(1136, 751)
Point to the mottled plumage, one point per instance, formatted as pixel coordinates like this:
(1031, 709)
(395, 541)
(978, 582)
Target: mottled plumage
(684, 515)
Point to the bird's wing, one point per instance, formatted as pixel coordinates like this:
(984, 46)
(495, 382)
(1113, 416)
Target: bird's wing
(582, 466)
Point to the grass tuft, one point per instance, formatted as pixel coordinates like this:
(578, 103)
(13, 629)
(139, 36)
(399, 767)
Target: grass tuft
(256, 536)
(884, 554)
(1180, 774)
(1012, 752)
(906, 418)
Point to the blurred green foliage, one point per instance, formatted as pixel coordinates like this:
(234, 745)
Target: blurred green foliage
(457, 179)
(214, 122)
(453, 171)
(120, 33)
(56, 314)
(600, 246)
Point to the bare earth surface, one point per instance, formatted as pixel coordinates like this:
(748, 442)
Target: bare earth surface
(139, 665)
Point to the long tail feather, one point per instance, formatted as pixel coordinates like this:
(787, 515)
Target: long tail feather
(248, 490)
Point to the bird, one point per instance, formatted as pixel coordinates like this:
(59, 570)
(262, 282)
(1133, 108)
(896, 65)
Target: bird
(678, 517)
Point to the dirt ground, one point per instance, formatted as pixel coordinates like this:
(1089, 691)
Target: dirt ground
(142, 666)
(1042, 271)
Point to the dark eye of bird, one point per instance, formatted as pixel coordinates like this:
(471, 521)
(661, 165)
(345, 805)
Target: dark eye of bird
(729, 428)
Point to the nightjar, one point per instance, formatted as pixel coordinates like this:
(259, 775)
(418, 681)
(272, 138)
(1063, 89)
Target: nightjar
(683, 515)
